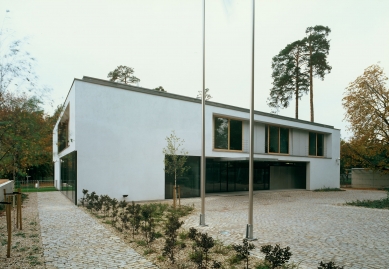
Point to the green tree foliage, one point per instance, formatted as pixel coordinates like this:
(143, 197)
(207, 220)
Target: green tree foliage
(175, 157)
(25, 134)
(123, 74)
(296, 65)
(317, 47)
(160, 89)
(207, 95)
(366, 102)
(25, 130)
(289, 78)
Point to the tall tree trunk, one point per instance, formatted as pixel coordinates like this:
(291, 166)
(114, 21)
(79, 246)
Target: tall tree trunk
(311, 84)
(297, 99)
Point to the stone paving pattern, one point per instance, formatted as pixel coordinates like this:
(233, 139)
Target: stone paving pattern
(315, 225)
(73, 239)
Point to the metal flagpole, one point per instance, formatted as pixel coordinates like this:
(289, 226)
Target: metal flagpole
(202, 184)
(249, 227)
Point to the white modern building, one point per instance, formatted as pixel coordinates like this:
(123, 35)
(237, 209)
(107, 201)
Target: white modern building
(110, 136)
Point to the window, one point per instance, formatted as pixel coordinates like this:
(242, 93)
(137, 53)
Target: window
(228, 134)
(63, 135)
(316, 144)
(63, 131)
(276, 139)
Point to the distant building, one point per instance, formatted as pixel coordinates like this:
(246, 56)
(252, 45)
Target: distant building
(110, 137)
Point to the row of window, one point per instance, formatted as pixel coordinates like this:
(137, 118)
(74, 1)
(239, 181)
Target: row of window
(228, 136)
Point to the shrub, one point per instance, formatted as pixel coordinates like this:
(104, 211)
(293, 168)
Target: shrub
(243, 251)
(203, 243)
(329, 265)
(276, 256)
(135, 218)
(171, 227)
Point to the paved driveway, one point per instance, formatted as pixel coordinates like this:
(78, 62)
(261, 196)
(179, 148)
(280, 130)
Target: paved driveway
(315, 225)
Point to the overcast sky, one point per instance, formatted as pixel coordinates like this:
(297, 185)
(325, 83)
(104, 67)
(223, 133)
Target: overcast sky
(162, 41)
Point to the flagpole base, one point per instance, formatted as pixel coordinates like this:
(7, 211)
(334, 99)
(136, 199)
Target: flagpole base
(202, 220)
(249, 233)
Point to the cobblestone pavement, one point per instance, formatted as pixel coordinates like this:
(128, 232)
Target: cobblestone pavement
(73, 239)
(315, 225)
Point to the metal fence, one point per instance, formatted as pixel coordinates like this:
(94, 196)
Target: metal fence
(345, 179)
(38, 182)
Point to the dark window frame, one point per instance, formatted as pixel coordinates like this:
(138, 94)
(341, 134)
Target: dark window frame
(319, 148)
(228, 134)
(279, 142)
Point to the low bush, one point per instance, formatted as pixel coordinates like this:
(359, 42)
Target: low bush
(329, 265)
(276, 256)
(380, 204)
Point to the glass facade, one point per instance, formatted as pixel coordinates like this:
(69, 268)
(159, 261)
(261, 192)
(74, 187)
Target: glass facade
(316, 144)
(69, 176)
(189, 183)
(228, 134)
(229, 176)
(276, 139)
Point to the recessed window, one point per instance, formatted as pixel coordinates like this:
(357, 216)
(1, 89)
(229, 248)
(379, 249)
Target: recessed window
(63, 128)
(228, 134)
(316, 144)
(63, 131)
(276, 139)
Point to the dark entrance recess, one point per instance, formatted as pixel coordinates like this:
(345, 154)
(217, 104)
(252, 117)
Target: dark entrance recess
(69, 176)
(229, 176)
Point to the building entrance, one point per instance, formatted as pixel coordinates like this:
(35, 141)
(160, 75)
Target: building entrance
(228, 176)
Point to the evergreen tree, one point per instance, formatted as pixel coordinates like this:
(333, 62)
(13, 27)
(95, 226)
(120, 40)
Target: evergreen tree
(317, 47)
(289, 78)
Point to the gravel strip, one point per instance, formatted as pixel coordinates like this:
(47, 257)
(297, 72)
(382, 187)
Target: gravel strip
(26, 244)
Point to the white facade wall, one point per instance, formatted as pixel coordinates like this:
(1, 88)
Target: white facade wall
(119, 135)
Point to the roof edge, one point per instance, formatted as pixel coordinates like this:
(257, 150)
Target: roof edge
(191, 99)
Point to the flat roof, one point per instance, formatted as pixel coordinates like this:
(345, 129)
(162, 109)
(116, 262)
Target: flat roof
(190, 99)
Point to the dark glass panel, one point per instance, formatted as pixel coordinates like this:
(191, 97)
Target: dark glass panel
(320, 145)
(266, 139)
(62, 135)
(189, 182)
(235, 135)
(274, 139)
(69, 176)
(241, 176)
(312, 144)
(284, 140)
(221, 133)
(223, 174)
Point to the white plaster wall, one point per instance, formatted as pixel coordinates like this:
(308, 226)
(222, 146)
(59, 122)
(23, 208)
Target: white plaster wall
(120, 137)
(8, 186)
(71, 102)
(121, 133)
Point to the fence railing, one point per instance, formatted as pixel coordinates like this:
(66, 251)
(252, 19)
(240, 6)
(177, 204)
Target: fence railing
(40, 182)
(345, 179)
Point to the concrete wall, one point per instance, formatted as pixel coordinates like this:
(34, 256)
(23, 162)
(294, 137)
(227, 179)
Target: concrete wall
(361, 178)
(286, 177)
(9, 188)
(119, 133)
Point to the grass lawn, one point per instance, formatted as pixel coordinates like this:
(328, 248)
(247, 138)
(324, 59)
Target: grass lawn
(380, 204)
(328, 189)
(43, 189)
